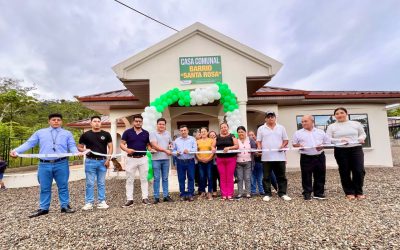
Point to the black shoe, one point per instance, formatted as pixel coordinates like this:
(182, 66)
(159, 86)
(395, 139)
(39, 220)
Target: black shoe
(39, 213)
(168, 199)
(307, 197)
(238, 197)
(190, 199)
(128, 203)
(156, 201)
(146, 201)
(67, 210)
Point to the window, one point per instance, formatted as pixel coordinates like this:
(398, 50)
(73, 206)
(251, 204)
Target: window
(323, 121)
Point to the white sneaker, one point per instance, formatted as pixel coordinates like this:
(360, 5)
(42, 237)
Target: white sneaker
(88, 206)
(267, 198)
(103, 205)
(286, 198)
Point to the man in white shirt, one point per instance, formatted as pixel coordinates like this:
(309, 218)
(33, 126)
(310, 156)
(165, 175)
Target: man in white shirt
(312, 160)
(272, 137)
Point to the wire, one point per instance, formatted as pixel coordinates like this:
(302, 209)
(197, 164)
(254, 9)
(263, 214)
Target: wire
(141, 13)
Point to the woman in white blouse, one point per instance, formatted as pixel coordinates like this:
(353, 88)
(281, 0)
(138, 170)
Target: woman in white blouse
(349, 156)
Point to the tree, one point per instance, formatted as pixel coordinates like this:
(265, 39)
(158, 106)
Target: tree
(394, 112)
(14, 98)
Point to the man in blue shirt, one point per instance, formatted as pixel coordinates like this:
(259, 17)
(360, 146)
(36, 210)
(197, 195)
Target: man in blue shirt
(185, 162)
(51, 140)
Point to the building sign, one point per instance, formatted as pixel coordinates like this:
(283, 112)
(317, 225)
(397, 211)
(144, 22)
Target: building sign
(200, 69)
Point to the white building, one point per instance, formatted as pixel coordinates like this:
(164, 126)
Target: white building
(160, 68)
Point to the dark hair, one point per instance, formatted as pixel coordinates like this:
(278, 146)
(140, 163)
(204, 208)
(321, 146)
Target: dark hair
(183, 126)
(94, 117)
(204, 128)
(241, 128)
(55, 115)
(161, 120)
(212, 131)
(137, 116)
(339, 108)
(223, 123)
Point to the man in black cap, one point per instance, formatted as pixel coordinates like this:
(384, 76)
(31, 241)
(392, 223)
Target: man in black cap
(272, 137)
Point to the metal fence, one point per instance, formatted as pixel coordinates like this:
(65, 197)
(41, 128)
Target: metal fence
(7, 144)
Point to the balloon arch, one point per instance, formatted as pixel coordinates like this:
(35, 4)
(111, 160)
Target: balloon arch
(198, 96)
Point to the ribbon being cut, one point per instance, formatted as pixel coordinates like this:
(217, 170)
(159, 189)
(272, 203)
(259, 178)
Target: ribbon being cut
(150, 175)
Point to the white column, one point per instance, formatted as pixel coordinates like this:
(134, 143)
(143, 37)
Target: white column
(243, 112)
(220, 119)
(113, 132)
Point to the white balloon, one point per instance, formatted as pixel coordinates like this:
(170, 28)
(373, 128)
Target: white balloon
(205, 100)
(193, 102)
(158, 115)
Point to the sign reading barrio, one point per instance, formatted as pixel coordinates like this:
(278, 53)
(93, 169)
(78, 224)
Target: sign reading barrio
(201, 69)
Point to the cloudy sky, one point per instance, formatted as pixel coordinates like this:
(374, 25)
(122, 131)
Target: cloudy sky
(67, 48)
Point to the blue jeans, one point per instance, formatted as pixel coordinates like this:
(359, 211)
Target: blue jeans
(160, 168)
(185, 169)
(95, 169)
(205, 171)
(59, 171)
(256, 178)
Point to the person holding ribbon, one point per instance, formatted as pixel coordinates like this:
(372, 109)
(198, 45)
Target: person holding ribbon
(99, 142)
(273, 140)
(183, 145)
(161, 141)
(132, 140)
(53, 140)
(205, 162)
(226, 162)
(244, 162)
(350, 156)
(312, 158)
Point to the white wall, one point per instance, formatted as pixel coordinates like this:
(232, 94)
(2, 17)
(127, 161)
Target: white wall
(380, 152)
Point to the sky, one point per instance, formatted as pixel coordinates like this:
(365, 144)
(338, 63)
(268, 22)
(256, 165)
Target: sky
(67, 48)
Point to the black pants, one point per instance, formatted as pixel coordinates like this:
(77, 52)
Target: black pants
(279, 168)
(313, 166)
(351, 169)
(215, 177)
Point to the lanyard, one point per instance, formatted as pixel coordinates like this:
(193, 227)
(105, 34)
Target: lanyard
(54, 139)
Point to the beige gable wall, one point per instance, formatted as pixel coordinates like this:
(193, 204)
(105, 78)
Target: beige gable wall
(163, 69)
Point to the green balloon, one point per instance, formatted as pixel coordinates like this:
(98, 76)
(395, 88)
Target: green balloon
(181, 102)
(159, 108)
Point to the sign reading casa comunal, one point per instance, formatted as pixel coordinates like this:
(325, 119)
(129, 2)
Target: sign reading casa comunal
(200, 69)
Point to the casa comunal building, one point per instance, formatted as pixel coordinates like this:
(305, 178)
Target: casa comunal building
(199, 56)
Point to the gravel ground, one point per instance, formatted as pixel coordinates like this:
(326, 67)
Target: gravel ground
(247, 224)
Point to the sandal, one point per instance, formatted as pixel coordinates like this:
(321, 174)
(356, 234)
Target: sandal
(350, 197)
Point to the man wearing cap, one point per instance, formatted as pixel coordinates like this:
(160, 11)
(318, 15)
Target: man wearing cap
(272, 138)
(312, 160)
(51, 140)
